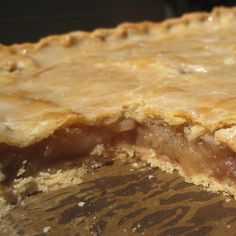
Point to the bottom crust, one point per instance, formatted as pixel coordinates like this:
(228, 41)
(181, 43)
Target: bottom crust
(209, 183)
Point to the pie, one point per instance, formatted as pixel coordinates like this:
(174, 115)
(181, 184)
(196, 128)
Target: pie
(161, 92)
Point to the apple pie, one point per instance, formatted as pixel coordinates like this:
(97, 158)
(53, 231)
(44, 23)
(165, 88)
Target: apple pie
(161, 92)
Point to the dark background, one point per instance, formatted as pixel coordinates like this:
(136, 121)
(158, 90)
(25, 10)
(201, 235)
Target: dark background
(28, 20)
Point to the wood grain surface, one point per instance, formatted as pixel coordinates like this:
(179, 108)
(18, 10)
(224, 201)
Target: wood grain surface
(123, 200)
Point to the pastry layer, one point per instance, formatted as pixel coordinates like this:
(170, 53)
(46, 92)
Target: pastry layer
(180, 71)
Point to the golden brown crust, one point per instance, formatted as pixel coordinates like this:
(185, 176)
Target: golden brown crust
(181, 70)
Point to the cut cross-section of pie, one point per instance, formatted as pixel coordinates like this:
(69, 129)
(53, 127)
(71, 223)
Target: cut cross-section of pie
(165, 93)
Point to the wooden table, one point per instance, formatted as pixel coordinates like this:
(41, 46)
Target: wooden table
(123, 200)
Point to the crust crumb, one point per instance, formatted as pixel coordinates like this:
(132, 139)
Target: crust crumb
(47, 229)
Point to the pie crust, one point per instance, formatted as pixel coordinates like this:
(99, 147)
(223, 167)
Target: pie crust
(156, 91)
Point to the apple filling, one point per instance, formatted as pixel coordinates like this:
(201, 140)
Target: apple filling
(72, 146)
(195, 155)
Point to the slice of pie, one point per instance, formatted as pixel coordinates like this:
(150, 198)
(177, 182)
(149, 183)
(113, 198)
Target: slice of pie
(164, 93)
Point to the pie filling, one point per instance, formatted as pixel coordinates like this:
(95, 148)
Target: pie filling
(77, 144)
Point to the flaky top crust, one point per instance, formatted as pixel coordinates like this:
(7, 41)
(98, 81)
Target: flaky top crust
(182, 71)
